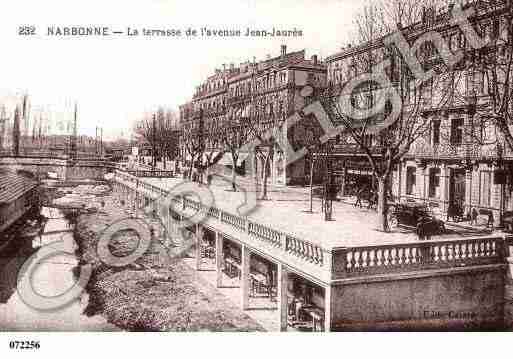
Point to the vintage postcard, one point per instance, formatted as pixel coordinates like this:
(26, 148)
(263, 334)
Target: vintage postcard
(256, 166)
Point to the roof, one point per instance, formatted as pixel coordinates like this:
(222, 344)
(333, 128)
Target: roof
(440, 21)
(276, 63)
(13, 186)
(308, 64)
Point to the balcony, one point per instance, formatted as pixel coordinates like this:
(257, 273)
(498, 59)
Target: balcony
(354, 149)
(423, 149)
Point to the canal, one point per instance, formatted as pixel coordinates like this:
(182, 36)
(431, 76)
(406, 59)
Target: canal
(51, 277)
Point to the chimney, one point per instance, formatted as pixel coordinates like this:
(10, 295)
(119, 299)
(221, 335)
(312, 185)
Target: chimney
(283, 51)
(232, 66)
(348, 46)
(314, 59)
(268, 57)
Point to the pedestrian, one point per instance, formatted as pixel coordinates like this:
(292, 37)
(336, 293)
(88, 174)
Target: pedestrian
(474, 215)
(373, 199)
(421, 229)
(359, 193)
(451, 212)
(490, 220)
(427, 228)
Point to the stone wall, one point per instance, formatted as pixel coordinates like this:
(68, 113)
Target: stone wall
(65, 169)
(75, 172)
(38, 166)
(455, 299)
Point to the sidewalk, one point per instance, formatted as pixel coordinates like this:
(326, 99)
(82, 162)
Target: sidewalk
(287, 211)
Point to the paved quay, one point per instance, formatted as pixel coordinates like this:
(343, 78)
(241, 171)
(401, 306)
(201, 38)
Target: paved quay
(286, 211)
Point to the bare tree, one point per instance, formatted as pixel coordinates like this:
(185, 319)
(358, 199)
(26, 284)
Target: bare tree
(3, 127)
(306, 134)
(266, 130)
(16, 132)
(161, 133)
(170, 136)
(192, 138)
(384, 144)
(491, 74)
(234, 134)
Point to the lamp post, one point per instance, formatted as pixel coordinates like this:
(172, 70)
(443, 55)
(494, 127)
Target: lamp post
(153, 136)
(502, 177)
(328, 185)
(311, 145)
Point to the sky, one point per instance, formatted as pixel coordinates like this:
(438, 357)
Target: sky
(114, 80)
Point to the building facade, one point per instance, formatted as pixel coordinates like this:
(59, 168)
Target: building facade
(257, 96)
(461, 161)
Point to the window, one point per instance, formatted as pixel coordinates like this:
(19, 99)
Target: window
(456, 131)
(461, 40)
(486, 132)
(434, 182)
(367, 140)
(479, 79)
(410, 180)
(485, 188)
(435, 132)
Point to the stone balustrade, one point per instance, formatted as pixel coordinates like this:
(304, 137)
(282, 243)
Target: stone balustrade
(265, 233)
(213, 212)
(189, 203)
(305, 250)
(302, 250)
(151, 173)
(406, 257)
(234, 220)
(351, 262)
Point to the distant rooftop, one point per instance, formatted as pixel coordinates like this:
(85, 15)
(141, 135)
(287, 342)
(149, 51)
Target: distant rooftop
(14, 185)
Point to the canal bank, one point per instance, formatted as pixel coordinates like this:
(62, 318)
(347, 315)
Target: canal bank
(50, 277)
(156, 292)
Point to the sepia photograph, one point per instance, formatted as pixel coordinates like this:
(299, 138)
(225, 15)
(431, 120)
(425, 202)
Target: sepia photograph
(255, 166)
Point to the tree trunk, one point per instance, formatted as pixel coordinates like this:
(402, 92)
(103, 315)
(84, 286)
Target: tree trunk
(256, 179)
(234, 173)
(311, 184)
(382, 204)
(264, 190)
(190, 168)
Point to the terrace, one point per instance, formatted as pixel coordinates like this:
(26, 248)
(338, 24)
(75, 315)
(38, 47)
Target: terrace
(279, 257)
(282, 229)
